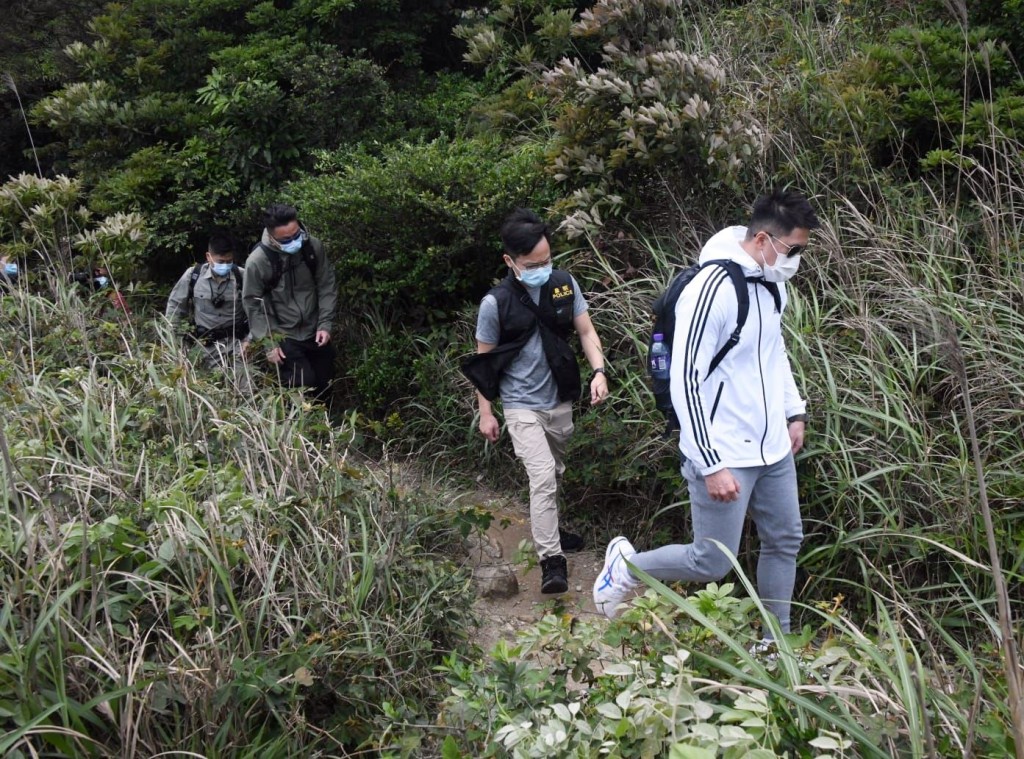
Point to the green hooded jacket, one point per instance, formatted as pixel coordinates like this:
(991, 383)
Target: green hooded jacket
(300, 305)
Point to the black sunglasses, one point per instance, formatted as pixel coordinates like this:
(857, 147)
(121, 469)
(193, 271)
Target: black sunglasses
(791, 250)
(293, 238)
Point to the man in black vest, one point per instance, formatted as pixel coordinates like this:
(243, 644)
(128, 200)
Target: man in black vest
(523, 356)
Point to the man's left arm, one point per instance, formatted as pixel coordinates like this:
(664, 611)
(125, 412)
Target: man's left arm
(327, 297)
(796, 409)
(595, 356)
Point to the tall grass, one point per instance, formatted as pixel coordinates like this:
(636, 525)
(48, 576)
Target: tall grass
(190, 569)
(906, 314)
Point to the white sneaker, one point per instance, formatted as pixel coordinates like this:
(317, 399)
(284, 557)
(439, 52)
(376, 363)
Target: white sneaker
(614, 582)
(766, 650)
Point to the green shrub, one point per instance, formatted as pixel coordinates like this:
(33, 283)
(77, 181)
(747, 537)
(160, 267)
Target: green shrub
(42, 222)
(936, 71)
(382, 372)
(187, 111)
(415, 229)
(673, 676)
(510, 41)
(642, 114)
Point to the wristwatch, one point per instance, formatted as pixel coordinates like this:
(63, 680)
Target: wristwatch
(597, 371)
(797, 418)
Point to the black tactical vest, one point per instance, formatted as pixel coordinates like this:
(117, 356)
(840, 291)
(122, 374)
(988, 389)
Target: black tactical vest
(555, 303)
(516, 318)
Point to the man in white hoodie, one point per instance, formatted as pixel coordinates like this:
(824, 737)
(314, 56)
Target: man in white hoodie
(741, 424)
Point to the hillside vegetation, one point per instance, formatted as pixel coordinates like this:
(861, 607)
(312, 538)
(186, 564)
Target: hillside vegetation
(194, 571)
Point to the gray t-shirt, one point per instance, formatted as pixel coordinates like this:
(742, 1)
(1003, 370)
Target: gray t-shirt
(527, 382)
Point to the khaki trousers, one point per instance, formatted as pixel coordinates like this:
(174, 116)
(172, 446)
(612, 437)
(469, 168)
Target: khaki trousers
(539, 439)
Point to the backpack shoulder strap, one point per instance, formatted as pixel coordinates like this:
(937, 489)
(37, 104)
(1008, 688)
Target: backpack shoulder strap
(238, 277)
(771, 287)
(275, 265)
(309, 255)
(543, 317)
(739, 282)
(560, 277)
(192, 279)
(526, 300)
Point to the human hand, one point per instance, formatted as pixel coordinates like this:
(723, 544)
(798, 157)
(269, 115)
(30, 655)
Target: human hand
(243, 349)
(322, 337)
(796, 436)
(276, 356)
(598, 388)
(489, 427)
(722, 486)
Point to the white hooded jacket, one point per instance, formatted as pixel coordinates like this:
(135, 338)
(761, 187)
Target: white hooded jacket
(737, 416)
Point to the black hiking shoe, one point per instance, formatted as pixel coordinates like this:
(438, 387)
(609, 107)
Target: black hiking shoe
(571, 542)
(554, 575)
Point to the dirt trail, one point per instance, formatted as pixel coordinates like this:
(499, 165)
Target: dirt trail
(502, 618)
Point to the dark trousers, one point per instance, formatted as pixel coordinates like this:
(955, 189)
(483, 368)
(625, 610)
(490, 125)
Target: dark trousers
(307, 364)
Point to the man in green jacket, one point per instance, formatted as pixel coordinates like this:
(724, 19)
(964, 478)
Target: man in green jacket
(289, 295)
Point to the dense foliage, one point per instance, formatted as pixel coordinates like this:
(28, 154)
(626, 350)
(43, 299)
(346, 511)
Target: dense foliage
(186, 566)
(417, 224)
(173, 551)
(184, 110)
(689, 687)
(631, 111)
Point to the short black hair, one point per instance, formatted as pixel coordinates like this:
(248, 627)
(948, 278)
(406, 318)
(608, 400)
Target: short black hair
(220, 245)
(279, 214)
(521, 232)
(780, 212)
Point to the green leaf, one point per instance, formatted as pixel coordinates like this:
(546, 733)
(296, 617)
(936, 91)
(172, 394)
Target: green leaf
(826, 743)
(167, 549)
(449, 749)
(684, 751)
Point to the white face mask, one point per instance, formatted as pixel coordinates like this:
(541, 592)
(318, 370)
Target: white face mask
(533, 277)
(783, 268)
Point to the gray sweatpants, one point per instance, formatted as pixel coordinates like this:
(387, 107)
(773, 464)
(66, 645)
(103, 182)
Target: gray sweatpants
(769, 493)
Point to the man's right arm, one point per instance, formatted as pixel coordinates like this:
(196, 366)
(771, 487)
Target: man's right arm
(177, 301)
(705, 311)
(487, 335)
(489, 426)
(257, 271)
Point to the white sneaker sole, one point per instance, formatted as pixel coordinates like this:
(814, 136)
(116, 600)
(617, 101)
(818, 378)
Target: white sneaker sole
(599, 583)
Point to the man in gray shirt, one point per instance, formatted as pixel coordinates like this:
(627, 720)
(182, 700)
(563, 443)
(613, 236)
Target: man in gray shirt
(209, 296)
(524, 357)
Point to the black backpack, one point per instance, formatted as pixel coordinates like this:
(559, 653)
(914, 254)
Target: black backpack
(665, 323)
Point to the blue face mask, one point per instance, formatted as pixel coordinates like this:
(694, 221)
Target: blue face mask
(101, 282)
(221, 270)
(10, 269)
(292, 246)
(535, 277)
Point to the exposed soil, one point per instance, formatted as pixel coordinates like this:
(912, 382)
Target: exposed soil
(502, 618)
